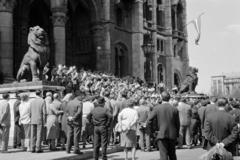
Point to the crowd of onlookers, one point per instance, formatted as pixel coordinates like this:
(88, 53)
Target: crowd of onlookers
(103, 109)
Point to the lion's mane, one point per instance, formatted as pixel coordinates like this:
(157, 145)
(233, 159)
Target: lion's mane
(38, 40)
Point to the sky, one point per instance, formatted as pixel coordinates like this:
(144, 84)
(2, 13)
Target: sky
(219, 47)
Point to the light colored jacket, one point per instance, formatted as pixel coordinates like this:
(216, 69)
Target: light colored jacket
(5, 115)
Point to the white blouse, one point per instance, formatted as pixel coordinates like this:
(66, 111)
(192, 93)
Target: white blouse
(24, 110)
(130, 115)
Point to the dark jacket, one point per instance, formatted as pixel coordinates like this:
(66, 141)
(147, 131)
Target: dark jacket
(167, 120)
(16, 111)
(210, 109)
(236, 114)
(100, 116)
(74, 110)
(219, 127)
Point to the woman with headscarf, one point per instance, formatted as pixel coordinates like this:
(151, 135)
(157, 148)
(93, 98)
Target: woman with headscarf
(63, 134)
(24, 121)
(52, 123)
(129, 117)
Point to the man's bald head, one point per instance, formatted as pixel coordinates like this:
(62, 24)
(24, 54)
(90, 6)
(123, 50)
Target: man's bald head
(55, 96)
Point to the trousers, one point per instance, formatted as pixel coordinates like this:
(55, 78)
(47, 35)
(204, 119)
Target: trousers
(36, 136)
(145, 133)
(73, 136)
(100, 139)
(167, 149)
(184, 132)
(16, 136)
(5, 137)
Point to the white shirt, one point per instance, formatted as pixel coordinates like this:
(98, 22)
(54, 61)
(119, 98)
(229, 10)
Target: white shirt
(130, 115)
(24, 110)
(87, 108)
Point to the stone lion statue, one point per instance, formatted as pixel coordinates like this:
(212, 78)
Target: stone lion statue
(36, 58)
(191, 81)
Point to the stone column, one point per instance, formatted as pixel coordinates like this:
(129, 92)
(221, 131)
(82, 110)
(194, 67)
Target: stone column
(169, 46)
(137, 39)
(97, 42)
(185, 56)
(59, 20)
(6, 40)
(103, 57)
(154, 36)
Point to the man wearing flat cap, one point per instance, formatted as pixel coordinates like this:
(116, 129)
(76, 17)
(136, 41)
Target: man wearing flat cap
(101, 119)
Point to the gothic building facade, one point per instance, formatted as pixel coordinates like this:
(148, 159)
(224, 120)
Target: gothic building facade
(104, 35)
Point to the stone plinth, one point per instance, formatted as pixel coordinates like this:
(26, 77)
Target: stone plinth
(30, 87)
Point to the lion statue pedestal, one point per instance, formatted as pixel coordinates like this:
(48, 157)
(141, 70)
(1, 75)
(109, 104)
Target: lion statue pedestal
(36, 58)
(30, 87)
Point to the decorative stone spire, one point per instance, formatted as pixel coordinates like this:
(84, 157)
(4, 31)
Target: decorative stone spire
(7, 5)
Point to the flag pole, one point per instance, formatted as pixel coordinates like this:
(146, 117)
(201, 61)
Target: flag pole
(191, 21)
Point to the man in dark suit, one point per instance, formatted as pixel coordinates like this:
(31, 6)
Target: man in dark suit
(220, 128)
(16, 135)
(74, 113)
(38, 116)
(235, 111)
(211, 107)
(101, 119)
(201, 112)
(168, 124)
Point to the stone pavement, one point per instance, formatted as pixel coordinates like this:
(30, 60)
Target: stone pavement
(114, 153)
(53, 155)
(182, 154)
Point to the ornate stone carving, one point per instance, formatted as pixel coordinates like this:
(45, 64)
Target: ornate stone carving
(59, 20)
(96, 32)
(7, 5)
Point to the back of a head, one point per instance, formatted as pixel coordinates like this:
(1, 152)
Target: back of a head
(38, 92)
(213, 99)
(142, 102)
(55, 95)
(235, 104)
(5, 95)
(222, 102)
(165, 96)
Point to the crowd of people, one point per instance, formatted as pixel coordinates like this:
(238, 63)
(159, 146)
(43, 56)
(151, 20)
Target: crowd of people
(106, 110)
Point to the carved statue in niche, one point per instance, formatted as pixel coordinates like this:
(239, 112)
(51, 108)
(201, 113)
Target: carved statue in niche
(36, 58)
(190, 82)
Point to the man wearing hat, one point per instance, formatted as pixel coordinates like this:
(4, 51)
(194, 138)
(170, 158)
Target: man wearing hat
(16, 136)
(101, 119)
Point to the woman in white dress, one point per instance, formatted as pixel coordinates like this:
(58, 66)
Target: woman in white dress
(129, 118)
(24, 121)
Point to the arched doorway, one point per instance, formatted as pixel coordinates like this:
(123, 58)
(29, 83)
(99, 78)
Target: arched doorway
(160, 73)
(177, 81)
(121, 60)
(79, 39)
